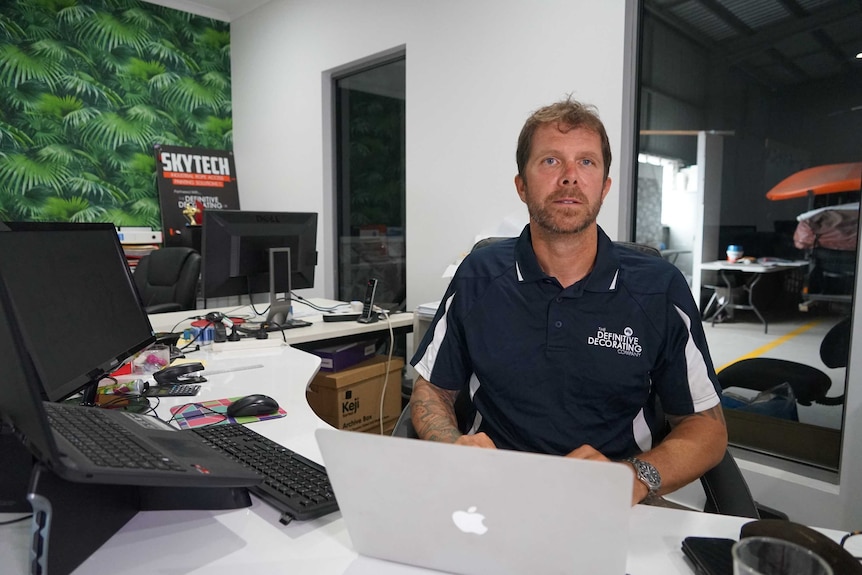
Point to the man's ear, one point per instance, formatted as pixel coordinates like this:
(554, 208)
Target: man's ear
(607, 188)
(521, 186)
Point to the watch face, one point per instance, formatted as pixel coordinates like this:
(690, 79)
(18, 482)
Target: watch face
(651, 475)
(647, 473)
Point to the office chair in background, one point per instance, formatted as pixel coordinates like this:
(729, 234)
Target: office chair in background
(809, 384)
(167, 279)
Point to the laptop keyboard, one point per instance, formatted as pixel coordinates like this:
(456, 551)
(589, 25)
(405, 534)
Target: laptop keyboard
(296, 486)
(103, 441)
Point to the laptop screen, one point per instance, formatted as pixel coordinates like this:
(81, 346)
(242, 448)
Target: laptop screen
(19, 390)
(75, 301)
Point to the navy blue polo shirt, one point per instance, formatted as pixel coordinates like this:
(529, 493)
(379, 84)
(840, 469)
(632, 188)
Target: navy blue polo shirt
(550, 368)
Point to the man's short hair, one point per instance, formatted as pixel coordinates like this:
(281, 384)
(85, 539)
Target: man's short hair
(568, 114)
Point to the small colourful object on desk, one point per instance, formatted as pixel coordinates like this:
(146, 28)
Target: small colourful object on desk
(214, 412)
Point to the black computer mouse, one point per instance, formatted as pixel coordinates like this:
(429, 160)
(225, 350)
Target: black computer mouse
(255, 404)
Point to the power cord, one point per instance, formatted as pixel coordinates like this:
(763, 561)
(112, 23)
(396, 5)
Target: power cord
(316, 307)
(17, 520)
(388, 363)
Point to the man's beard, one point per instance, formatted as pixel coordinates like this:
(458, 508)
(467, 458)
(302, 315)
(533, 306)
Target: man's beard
(552, 217)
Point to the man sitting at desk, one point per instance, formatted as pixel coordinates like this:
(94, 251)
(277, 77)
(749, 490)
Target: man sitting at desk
(564, 341)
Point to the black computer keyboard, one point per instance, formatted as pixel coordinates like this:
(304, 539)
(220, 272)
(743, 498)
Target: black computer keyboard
(103, 441)
(296, 486)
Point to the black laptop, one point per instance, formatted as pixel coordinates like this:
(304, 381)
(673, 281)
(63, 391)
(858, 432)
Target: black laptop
(82, 443)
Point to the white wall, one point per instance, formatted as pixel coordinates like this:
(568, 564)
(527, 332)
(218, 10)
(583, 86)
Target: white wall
(475, 70)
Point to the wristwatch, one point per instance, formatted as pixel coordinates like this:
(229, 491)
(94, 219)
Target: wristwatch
(646, 474)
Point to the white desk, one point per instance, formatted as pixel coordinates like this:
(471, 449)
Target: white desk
(318, 331)
(252, 540)
(756, 271)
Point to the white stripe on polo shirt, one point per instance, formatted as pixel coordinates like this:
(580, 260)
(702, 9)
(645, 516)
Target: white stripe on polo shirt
(702, 391)
(426, 365)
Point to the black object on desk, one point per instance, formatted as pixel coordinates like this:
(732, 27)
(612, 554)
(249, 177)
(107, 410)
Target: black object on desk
(294, 485)
(14, 473)
(709, 555)
(287, 324)
(178, 374)
(335, 317)
(61, 507)
(173, 390)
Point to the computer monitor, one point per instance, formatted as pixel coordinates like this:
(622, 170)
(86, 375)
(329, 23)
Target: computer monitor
(246, 252)
(77, 306)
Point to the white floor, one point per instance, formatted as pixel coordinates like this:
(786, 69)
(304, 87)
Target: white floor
(796, 337)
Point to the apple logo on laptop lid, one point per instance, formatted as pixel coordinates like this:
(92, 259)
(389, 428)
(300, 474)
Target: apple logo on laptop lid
(470, 521)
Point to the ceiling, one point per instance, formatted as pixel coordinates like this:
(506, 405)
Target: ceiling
(779, 43)
(224, 10)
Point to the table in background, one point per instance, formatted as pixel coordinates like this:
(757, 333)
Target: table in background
(756, 271)
(673, 255)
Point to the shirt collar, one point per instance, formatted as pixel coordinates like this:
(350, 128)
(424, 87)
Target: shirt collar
(604, 276)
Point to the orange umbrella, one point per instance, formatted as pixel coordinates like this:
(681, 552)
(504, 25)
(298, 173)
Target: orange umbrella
(828, 179)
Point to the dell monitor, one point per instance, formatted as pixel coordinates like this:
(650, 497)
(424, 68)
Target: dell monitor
(75, 301)
(248, 252)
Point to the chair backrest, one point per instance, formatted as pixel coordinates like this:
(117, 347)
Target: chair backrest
(631, 245)
(486, 242)
(835, 347)
(167, 279)
(649, 250)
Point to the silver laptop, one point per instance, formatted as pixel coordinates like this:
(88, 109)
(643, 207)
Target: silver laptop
(477, 511)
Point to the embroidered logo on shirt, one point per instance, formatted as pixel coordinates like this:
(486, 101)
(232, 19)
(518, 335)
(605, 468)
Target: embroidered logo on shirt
(625, 343)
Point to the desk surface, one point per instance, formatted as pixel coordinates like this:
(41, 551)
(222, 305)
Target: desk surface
(228, 542)
(318, 331)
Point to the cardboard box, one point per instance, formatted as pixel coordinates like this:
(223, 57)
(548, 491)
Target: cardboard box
(350, 398)
(340, 357)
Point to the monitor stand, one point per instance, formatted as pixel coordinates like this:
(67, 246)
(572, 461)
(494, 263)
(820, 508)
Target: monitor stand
(280, 312)
(14, 473)
(59, 543)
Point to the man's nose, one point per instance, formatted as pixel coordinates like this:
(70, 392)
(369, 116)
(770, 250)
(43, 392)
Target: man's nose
(569, 175)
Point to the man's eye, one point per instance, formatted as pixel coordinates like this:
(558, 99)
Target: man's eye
(587, 162)
(549, 161)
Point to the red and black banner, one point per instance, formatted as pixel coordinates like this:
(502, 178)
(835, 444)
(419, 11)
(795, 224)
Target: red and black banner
(190, 181)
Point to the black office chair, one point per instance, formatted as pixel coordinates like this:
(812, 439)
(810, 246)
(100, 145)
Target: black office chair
(809, 384)
(167, 279)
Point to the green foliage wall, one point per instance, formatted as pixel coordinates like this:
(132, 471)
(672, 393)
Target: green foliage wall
(87, 88)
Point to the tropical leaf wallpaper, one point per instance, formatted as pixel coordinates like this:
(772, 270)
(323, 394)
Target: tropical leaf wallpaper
(87, 88)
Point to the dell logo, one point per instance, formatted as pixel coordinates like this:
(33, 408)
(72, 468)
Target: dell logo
(267, 218)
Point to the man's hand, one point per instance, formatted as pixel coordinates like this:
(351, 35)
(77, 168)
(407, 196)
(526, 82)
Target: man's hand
(587, 452)
(639, 490)
(476, 440)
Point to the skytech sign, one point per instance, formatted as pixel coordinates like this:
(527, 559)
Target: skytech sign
(191, 180)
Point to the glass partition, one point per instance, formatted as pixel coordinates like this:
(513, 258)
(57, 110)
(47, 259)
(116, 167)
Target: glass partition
(739, 111)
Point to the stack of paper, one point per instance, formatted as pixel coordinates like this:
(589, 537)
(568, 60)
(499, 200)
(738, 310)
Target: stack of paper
(427, 310)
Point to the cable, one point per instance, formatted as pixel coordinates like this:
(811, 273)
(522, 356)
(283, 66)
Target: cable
(191, 317)
(251, 300)
(388, 364)
(178, 410)
(316, 307)
(18, 520)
